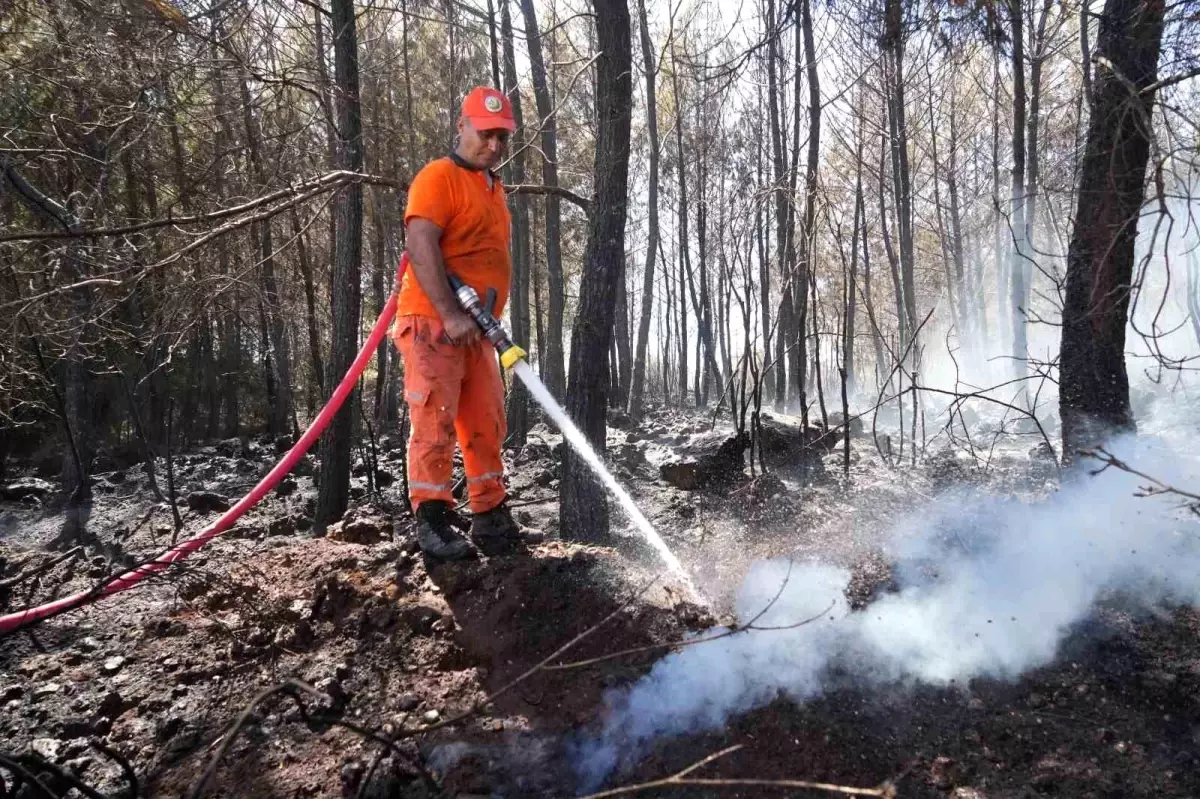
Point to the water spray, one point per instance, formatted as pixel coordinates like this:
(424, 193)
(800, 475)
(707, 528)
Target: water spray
(512, 357)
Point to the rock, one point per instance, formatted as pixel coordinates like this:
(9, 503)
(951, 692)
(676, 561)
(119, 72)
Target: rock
(836, 420)
(629, 455)
(408, 702)
(11, 692)
(710, 460)
(419, 618)
(76, 728)
(111, 705)
(787, 445)
(113, 664)
(943, 773)
(87, 644)
(431, 716)
(764, 487)
(46, 689)
(46, 748)
(282, 525)
(351, 774)
(207, 502)
(26, 488)
(354, 529)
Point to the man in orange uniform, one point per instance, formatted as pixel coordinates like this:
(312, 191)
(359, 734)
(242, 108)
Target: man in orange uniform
(457, 222)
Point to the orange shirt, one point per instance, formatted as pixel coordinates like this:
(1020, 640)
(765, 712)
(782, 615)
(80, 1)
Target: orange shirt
(475, 232)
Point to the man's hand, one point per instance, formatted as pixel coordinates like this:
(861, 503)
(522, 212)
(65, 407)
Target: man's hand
(461, 329)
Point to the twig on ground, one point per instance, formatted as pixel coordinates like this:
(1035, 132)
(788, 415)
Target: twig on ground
(34, 571)
(290, 688)
(24, 776)
(578, 664)
(680, 779)
(135, 787)
(293, 687)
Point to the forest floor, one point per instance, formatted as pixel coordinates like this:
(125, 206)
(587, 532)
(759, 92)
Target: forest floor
(399, 647)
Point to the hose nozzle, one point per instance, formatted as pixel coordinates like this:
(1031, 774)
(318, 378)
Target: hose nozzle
(467, 297)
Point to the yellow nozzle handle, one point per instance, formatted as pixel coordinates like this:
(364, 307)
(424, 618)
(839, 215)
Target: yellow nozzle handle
(511, 355)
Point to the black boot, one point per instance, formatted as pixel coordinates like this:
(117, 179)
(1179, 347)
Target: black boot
(435, 535)
(495, 532)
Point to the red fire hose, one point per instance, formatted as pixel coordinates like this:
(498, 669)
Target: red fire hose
(129, 579)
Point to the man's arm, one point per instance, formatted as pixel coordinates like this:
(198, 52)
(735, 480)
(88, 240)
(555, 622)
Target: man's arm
(425, 259)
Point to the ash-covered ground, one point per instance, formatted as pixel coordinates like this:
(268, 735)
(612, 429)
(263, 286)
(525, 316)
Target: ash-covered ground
(1100, 701)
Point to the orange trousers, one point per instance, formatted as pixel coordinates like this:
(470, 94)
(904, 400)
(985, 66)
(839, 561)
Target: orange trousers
(454, 394)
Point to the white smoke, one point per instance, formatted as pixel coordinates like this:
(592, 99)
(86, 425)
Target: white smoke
(987, 588)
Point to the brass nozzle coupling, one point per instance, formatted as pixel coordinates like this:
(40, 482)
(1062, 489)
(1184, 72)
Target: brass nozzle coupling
(467, 297)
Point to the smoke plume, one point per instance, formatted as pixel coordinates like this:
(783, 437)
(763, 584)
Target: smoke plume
(987, 588)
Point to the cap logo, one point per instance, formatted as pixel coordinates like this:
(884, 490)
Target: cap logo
(492, 104)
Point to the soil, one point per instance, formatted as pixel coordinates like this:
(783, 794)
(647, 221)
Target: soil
(396, 645)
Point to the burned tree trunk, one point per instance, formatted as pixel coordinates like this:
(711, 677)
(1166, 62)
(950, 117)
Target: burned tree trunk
(334, 484)
(1094, 384)
(637, 390)
(553, 353)
(518, 398)
(583, 510)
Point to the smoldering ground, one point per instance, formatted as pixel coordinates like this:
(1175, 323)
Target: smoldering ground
(985, 587)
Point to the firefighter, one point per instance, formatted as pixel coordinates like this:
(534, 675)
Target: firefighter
(457, 221)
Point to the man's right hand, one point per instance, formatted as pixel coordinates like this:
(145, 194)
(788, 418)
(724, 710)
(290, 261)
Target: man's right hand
(461, 329)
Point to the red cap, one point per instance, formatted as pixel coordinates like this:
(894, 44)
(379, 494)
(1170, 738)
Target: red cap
(488, 109)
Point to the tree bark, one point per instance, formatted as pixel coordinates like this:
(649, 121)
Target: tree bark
(624, 369)
(553, 352)
(1094, 384)
(279, 358)
(334, 482)
(808, 222)
(898, 128)
(779, 172)
(518, 309)
(1020, 253)
(584, 508)
(638, 388)
(310, 302)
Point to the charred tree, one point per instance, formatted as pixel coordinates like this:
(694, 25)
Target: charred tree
(1094, 385)
(583, 509)
(552, 352)
(518, 309)
(333, 492)
(638, 388)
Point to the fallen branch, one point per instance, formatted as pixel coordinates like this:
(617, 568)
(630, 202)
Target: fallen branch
(34, 571)
(680, 779)
(291, 688)
(749, 626)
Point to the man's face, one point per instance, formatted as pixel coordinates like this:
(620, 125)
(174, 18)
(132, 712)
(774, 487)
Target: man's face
(483, 149)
